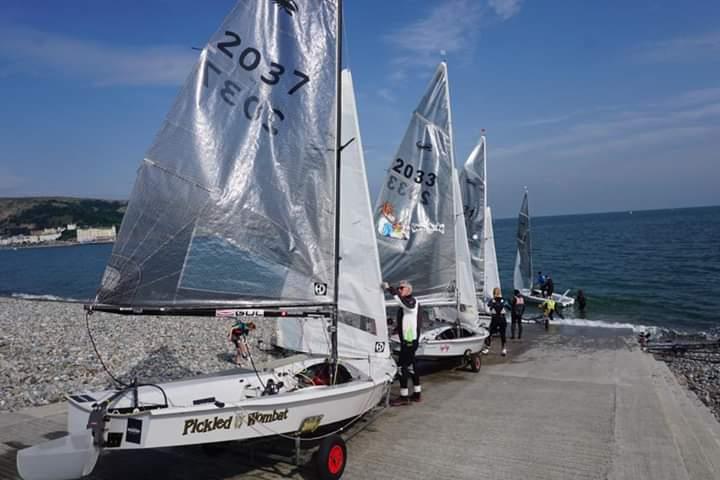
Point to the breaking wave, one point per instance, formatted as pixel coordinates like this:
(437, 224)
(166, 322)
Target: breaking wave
(47, 298)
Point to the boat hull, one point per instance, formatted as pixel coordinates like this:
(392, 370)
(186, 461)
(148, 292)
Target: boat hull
(211, 416)
(449, 348)
(536, 298)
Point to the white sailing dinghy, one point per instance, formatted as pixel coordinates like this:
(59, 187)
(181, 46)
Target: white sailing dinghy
(421, 231)
(523, 273)
(235, 213)
(478, 219)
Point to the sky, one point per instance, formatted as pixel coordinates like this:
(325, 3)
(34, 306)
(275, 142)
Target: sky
(594, 106)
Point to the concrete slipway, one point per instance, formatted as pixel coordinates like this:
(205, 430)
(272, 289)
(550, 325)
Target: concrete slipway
(572, 404)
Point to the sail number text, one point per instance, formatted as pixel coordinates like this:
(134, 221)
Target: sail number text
(250, 59)
(419, 177)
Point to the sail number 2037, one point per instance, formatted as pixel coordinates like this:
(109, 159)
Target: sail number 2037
(250, 59)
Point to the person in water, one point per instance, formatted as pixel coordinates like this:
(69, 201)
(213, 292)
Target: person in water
(581, 301)
(498, 322)
(408, 329)
(518, 308)
(238, 336)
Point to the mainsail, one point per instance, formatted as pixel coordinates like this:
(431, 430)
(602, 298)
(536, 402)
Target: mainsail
(234, 201)
(362, 306)
(492, 275)
(414, 213)
(522, 275)
(473, 182)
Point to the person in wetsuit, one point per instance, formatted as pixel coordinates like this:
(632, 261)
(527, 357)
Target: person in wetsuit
(549, 286)
(518, 308)
(581, 301)
(408, 329)
(498, 322)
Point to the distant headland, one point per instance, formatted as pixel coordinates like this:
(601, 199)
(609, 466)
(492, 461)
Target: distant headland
(48, 221)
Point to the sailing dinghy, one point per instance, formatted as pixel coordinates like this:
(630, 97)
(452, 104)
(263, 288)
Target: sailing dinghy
(421, 231)
(235, 212)
(523, 272)
(478, 219)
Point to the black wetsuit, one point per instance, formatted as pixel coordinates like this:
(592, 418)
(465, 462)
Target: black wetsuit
(581, 302)
(498, 322)
(516, 313)
(549, 287)
(406, 361)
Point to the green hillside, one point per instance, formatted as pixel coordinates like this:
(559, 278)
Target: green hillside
(20, 215)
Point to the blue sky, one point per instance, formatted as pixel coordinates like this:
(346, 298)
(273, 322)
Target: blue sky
(595, 106)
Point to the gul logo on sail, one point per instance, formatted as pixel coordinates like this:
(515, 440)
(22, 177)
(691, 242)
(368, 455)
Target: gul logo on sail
(390, 225)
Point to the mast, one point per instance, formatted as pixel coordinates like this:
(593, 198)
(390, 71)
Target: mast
(530, 265)
(454, 169)
(338, 147)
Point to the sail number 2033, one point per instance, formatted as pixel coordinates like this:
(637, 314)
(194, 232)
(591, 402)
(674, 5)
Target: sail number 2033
(250, 59)
(417, 176)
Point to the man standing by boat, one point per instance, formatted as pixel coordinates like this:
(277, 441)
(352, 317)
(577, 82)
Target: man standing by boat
(408, 329)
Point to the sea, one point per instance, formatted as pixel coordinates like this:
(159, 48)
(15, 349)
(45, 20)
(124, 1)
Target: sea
(638, 269)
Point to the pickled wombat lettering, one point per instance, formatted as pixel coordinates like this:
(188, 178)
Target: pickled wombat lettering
(260, 417)
(197, 425)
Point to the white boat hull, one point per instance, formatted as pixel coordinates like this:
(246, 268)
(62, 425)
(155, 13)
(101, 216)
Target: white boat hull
(431, 348)
(237, 411)
(536, 297)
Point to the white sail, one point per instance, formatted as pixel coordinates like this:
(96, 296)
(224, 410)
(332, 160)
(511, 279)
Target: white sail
(234, 201)
(363, 328)
(473, 183)
(492, 275)
(467, 308)
(522, 274)
(414, 213)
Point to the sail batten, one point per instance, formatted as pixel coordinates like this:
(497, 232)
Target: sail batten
(234, 200)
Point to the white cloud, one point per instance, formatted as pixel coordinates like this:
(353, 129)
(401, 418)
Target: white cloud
(452, 26)
(30, 51)
(505, 8)
(681, 49)
(688, 115)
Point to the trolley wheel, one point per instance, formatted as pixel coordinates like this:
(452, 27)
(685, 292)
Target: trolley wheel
(475, 362)
(331, 458)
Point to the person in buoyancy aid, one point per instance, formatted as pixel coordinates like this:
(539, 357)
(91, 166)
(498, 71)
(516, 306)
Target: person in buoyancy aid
(498, 322)
(408, 329)
(518, 308)
(549, 308)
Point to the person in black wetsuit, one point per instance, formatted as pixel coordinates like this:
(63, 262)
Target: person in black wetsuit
(581, 301)
(498, 322)
(518, 308)
(549, 286)
(408, 329)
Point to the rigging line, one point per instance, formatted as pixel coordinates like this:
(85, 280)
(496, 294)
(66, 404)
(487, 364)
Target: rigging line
(252, 362)
(97, 353)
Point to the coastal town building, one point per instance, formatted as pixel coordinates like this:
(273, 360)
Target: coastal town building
(96, 234)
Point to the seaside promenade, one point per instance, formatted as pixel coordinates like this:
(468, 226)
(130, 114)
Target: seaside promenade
(574, 404)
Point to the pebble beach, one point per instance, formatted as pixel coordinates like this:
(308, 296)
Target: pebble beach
(46, 352)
